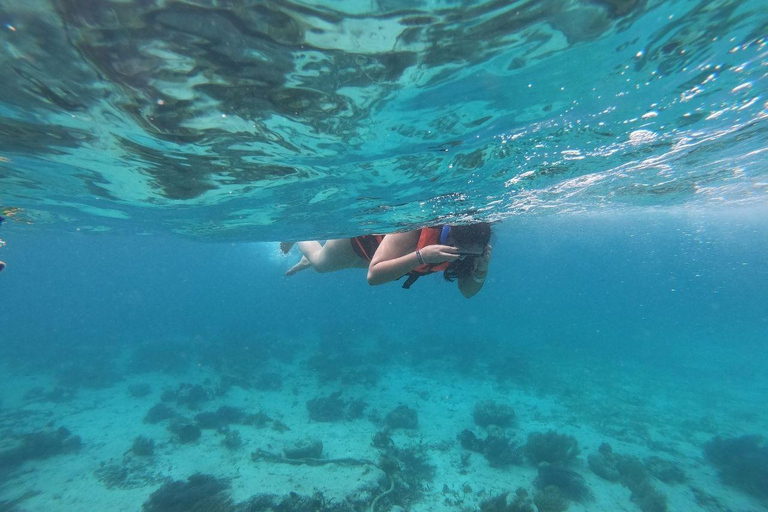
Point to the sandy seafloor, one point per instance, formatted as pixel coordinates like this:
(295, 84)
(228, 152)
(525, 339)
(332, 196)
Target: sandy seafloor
(639, 410)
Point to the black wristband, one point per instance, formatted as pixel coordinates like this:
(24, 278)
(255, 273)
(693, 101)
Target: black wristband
(418, 255)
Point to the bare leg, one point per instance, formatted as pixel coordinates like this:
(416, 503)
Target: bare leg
(301, 265)
(306, 248)
(334, 255)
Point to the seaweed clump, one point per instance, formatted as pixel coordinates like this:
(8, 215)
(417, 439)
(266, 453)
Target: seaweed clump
(706, 500)
(223, 416)
(39, 445)
(143, 446)
(10, 505)
(498, 449)
(569, 484)
(139, 390)
(293, 502)
(489, 412)
(185, 433)
(742, 462)
(355, 409)
(58, 395)
(603, 463)
(189, 395)
(232, 440)
(551, 447)
(200, 493)
(666, 470)
(402, 416)
(632, 474)
(382, 440)
(130, 473)
(550, 499)
(469, 441)
(159, 413)
(414, 464)
(326, 409)
(501, 503)
(636, 477)
(409, 470)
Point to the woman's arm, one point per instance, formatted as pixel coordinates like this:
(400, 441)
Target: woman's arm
(396, 256)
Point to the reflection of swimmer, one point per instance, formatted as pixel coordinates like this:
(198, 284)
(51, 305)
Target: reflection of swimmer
(2, 243)
(460, 252)
(16, 214)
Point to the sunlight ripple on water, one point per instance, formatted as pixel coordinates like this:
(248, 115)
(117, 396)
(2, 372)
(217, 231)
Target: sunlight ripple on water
(266, 121)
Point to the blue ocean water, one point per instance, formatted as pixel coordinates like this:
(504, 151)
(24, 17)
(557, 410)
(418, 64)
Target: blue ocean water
(152, 153)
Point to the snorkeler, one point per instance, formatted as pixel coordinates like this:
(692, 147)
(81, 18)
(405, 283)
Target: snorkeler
(460, 252)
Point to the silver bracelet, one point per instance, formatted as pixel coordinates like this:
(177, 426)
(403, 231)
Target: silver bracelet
(418, 256)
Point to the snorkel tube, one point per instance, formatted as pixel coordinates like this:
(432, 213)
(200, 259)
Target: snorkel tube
(444, 235)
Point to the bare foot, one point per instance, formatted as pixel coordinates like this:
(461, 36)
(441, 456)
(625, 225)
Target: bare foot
(302, 265)
(286, 246)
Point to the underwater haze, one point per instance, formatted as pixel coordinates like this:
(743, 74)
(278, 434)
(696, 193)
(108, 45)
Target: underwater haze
(154, 357)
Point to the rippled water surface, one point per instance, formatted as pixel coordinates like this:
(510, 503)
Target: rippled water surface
(267, 120)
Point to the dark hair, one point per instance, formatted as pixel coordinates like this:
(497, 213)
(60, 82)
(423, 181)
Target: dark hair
(472, 234)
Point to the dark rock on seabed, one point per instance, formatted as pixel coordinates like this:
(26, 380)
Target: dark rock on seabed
(304, 449)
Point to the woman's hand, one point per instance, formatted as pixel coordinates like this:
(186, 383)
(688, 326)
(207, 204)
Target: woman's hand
(482, 261)
(435, 254)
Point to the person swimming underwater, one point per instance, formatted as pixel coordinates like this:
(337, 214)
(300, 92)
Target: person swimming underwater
(461, 252)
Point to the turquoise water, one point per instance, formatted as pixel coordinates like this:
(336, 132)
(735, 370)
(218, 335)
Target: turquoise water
(151, 154)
